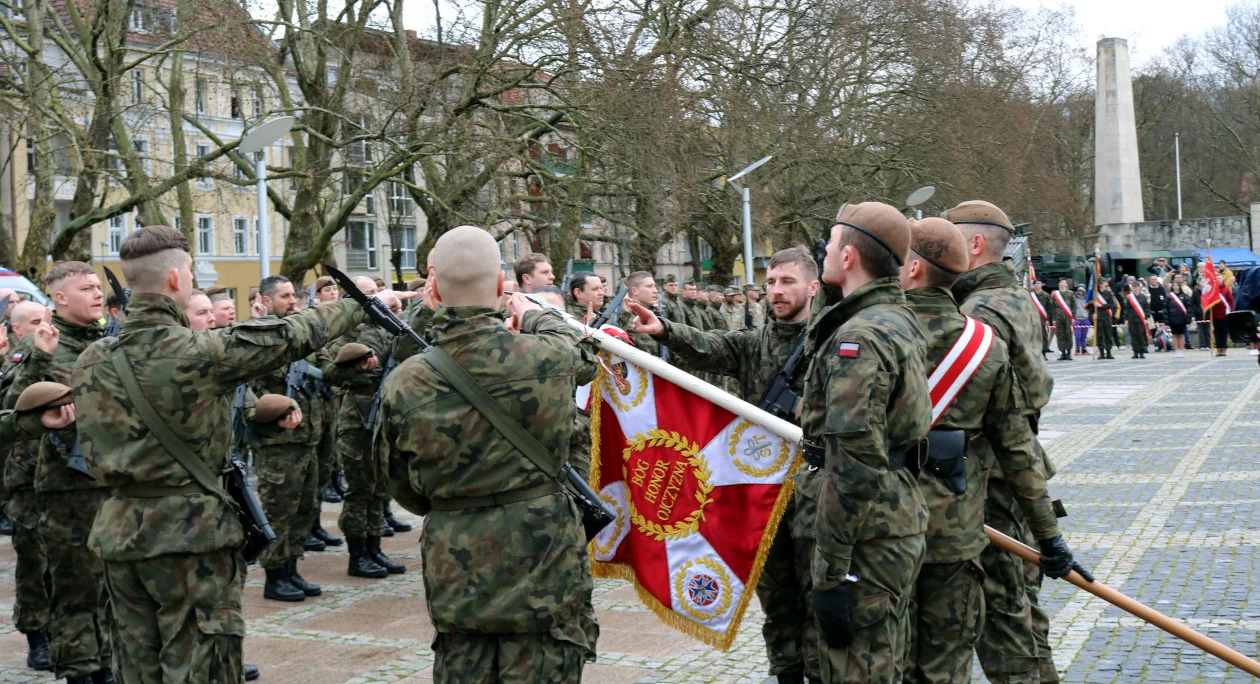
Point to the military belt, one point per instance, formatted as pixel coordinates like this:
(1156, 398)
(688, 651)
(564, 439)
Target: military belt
(815, 456)
(143, 491)
(459, 503)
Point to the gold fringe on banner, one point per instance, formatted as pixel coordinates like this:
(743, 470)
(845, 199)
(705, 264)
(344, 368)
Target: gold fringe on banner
(606, 570)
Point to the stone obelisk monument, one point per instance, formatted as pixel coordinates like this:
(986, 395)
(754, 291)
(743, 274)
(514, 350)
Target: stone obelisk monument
(1117, 180)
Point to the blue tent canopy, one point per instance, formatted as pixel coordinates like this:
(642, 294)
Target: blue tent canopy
(1235, 257)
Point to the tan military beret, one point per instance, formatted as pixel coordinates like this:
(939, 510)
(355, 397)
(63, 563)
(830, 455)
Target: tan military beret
(415, 284)
(43, 395)
(352, 353)
(879, 221)
(323, 282)
(982, 213)
(273, 407)
(940, 243)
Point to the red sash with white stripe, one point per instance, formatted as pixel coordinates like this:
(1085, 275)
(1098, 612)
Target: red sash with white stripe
(1133, 302)
(1177, 301)
(956, 369)
(1058, 299)
(1040, 309)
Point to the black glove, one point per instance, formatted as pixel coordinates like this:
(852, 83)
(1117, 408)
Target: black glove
(831, 606)
(1057, 561)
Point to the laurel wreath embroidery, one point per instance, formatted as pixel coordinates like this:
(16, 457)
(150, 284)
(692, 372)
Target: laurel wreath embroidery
(724, 587)
(614, 395)
(750, 469)
(604, 551)
(700, 468)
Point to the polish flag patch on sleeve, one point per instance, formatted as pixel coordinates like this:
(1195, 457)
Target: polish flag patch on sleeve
(848, 350)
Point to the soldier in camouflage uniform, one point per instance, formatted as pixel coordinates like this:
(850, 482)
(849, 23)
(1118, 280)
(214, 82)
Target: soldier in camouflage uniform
(690, 296)
(733, 309)
(949, 595)
(25, 505)
(642, 291)
(1043, 298)
(505, 582)
(585, 295)
(1014, 646)
(1134, 318)
(286, 462)
(672, 304)
(1104, 333)
(755, 358)
(358, 380)
(714, 309)
(1063, 320)
(754, 310)
(79, 613)
(171, 549)
(326, 452)
(865, 411)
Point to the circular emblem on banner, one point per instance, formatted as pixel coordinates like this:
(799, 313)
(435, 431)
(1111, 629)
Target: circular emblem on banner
(628, 386)
(703, 588)
(668, 482)
(754, 454)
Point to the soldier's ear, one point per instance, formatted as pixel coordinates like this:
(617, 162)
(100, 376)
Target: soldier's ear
(499, 285)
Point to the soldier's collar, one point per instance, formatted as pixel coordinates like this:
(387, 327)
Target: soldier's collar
(147, 309)
(73, 330)
(931, 298)
(989, 276)
(878, 291)
(456, 322)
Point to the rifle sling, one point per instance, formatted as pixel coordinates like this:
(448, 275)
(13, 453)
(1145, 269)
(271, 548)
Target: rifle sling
(485, 404)
(162, 431)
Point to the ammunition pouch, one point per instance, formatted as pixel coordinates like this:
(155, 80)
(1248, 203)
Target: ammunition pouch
(946, 458)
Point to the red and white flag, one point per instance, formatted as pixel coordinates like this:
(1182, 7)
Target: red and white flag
(1211, 290)
(698, 492)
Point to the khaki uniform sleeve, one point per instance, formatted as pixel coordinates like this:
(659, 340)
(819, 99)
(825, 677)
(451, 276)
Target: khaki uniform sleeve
(551, 327)
(697, 350)
(248, 349)
(1015, 450)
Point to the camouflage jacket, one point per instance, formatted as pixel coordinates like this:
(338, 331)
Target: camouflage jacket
(19, 466)
(52, 474)
(189, 378)
(694, 312)
(1057, 316)
(756, 311)
(1131, 315)
(353, 386)
(15, 427)
(504, 569)
(673, 307)
(752, 356)
(997, 433)
(990, 294)
(312, 402)
(733, 316)
(1109, 304)
(865, 397)
(1047, 303)
(640, 340)
(716, 320)
(403, 347)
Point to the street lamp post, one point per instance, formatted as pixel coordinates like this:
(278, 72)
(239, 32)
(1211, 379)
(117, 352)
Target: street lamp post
(257, 140)
(745, 195)
(918, 197)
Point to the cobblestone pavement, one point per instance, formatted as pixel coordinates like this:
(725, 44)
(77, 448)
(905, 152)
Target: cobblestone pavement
(1159, 464)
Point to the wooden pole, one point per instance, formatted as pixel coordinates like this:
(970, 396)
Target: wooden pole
(1133, 607)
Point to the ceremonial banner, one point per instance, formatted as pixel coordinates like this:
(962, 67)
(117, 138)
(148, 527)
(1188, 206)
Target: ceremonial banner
(698, 493)
(1211, 290)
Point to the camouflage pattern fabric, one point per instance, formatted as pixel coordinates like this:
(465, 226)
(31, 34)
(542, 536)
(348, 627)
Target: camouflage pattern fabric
(640, 340)
(755, 357)
(1137, 327)
(420, 318)
(716, 320)
(188, 378)
(1062, 322)
(469, 658)
(31, 605)
(733, 316)
(440, 447)
(674, 309)
(1104, 333)
(196, 633)
(860, 407)
(1010, 649)
(949, 612)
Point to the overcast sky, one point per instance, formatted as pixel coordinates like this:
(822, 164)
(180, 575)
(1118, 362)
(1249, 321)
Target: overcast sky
(1148, 25)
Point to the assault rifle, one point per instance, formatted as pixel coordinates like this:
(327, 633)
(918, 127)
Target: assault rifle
(779, 400)
(258, 532)
(568, 276)
(115, 322)
(73, 455)
(370, 424)
(305, 377)
(4, 306)
(611, 311)
(375, 308)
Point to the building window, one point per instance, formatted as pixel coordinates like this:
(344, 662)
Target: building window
(361, 246)
(236, 106)
(240, 236)
(137, 87)
(141, 147)
(258, 103)
(117, 232)
(407, 247)
(140, 20)
(30, 155)
(399, 201)
(205, 234)
(203, 151)
(199, 95)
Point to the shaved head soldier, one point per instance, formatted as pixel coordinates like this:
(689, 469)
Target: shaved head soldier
(948, 601)
(164, 569)
(1015, 644)
(515, 615)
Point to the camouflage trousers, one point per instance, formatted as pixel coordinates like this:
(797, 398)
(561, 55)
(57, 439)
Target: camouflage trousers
(33, 583)
(288, 487)
(1014, 644)
(1045, 337)
(473, 658)
(327, 452)
(1104, 334)
(948, 617)
(79, 615)
(879, 612)
(363, 508)
(1063, 335)
(1137, 336)
(790, 631)
(178, 617)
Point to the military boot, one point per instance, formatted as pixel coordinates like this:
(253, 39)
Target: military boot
(6, 527)
(339, 482)
(323, 535)
(394, 523)
(361, 562)
(386, 530)
(374, 551)
(302, 585)
(250, 672)
(37, 651)
(85, 679)
(279, 588)
(331, 495)
(313, 543)
(103, 677)
(795, 677)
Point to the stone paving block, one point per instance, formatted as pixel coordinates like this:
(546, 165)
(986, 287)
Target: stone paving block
(1196, 583)
(1144, 461)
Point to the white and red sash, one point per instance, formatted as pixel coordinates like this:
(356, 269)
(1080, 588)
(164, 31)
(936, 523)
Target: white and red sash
(1133, 302)
(1177, 301)
(959, 364)
(1040, 309)
(1058, 299)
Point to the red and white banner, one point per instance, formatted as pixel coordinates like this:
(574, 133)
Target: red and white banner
(959, 364)
(1058, 299)
(698, 491)
(1040, 309)
(1211, 295)
(1133, 302)
(1032, 274)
